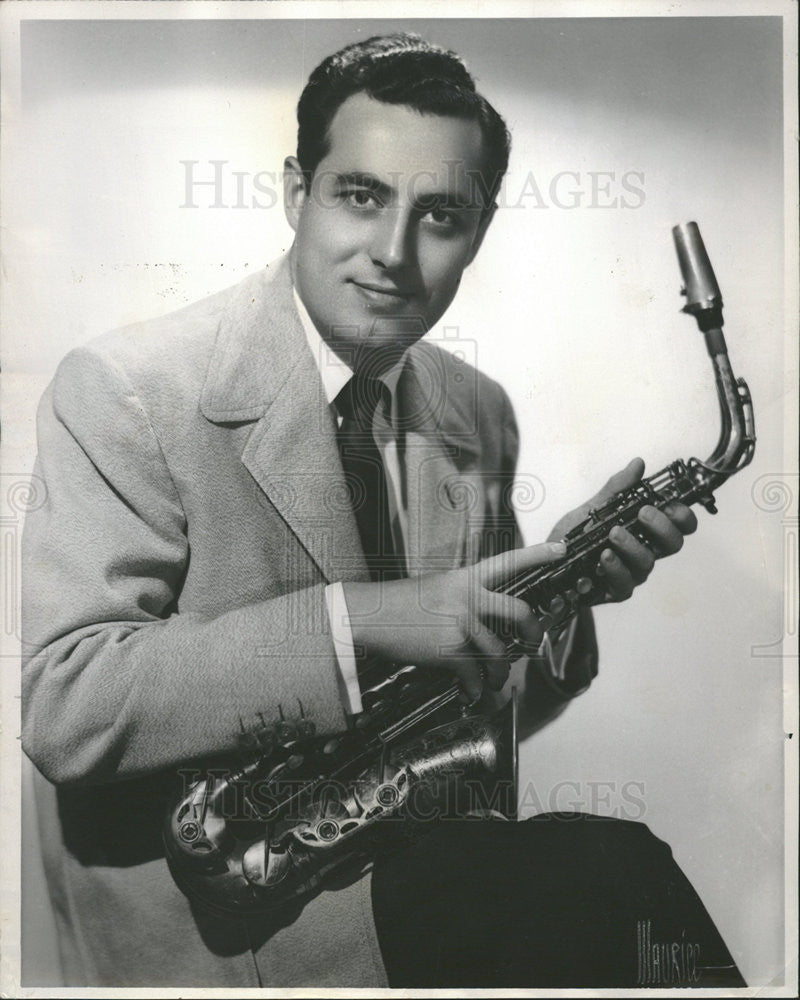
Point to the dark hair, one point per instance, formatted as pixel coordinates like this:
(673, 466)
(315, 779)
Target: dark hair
(404, 69)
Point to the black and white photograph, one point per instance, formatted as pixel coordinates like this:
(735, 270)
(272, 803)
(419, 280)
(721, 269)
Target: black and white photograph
(399, 498)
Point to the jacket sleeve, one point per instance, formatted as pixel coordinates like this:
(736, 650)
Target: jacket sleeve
(565, 666)
(115, 681)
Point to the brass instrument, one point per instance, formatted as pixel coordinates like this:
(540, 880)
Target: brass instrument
(302, 805)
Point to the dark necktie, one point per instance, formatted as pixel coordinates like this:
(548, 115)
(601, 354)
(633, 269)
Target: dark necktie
(366, 479)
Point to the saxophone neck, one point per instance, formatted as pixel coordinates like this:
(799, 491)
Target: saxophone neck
(736, 444)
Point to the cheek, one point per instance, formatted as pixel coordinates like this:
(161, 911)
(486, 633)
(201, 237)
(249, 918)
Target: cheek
(322, 237)
(443, 269)
(315, 239)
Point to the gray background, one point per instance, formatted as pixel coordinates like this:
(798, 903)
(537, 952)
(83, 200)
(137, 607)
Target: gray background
(573, 309)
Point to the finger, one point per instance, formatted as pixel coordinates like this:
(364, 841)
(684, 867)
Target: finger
(529, 636)
(511, 620)
(682, 517)
(622, 480)
(494, 656)
(497, 674)
(666, 537)
(497, 570)
(619, 582)
(486, 646)
(469, 677)
(637, 558)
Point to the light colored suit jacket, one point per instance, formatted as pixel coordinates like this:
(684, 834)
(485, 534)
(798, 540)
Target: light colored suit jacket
(174, 591)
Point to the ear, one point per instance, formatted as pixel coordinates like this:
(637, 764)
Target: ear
(480, 232)
(294, 191)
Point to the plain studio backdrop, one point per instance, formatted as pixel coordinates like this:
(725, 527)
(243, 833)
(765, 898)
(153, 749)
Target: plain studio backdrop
(622, 128)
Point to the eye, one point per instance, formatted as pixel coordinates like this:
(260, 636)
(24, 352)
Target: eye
(438, 216)
(441, 216)
(361, 198)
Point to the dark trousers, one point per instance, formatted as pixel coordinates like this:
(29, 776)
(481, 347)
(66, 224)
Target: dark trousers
(562, 900)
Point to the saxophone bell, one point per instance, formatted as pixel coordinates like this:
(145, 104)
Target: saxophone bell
(217, 854)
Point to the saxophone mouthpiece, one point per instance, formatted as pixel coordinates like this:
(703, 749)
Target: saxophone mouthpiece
(703, 297)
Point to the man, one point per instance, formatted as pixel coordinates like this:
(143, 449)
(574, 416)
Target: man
(195, 568)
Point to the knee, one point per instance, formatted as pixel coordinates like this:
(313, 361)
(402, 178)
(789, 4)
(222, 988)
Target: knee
(610, 836)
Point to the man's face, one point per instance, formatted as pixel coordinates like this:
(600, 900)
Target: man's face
(393, 217)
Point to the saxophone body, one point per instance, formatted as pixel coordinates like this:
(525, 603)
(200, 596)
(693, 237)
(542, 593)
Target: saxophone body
(298, 806)
(245, 841)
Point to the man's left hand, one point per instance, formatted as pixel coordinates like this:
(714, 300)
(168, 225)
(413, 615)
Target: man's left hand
(626, 563)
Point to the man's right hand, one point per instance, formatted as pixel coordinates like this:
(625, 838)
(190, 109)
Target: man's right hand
(453, 620)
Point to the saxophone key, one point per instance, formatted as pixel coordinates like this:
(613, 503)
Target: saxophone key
(286, 732)
(265, 737)
(327, 830)
(387, 795)
(248, 742)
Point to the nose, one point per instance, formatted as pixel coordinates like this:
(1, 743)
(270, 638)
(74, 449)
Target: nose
(391, 240)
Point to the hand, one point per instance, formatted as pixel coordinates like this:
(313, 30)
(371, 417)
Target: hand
(454, 620)
(627, 563)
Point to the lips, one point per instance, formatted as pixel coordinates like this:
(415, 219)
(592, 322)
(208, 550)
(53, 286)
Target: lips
(381, 295)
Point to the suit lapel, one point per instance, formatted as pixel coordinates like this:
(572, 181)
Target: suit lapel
(293, 456)
(262, 370)
(437, 452)
(436, 523)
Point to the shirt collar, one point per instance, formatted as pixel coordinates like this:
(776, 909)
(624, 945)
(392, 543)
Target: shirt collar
(335, 374)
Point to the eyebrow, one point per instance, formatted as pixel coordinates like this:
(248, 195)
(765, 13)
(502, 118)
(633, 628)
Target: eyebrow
(439, 199)
(369, 181)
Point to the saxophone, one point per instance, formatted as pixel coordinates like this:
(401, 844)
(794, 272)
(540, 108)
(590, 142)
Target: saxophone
(300, 806)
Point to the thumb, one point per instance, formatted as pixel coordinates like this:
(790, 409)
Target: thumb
(622, 480)
(497, 570)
